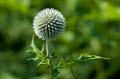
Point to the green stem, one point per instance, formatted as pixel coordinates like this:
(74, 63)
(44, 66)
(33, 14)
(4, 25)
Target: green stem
(48, 54)
(73, 73)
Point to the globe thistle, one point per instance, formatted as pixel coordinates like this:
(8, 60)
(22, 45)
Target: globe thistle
(48, 23)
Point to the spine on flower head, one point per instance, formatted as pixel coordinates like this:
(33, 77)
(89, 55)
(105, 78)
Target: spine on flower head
(48, 23)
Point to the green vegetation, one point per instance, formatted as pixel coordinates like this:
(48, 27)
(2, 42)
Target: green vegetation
(92, 27)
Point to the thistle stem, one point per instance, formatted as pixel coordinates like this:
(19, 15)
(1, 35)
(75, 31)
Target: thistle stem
(48, 54)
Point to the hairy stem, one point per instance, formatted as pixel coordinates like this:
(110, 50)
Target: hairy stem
(48, 54)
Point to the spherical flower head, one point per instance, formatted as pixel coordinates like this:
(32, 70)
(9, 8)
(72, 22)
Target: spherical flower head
(48, 23)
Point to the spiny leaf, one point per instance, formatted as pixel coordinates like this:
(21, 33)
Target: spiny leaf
(35, 49)
(86, 57)
(57, 68)
(29, 51)
(34, 59)
(62, 63)
(42, 62)
(39, 55)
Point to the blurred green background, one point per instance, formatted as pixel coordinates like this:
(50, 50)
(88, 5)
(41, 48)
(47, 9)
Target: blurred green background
(92, 26)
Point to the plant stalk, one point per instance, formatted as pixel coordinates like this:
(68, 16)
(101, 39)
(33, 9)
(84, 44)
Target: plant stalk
(48, 54)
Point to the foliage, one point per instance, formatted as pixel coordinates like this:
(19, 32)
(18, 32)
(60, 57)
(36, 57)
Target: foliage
(43, 60)
(93, 27)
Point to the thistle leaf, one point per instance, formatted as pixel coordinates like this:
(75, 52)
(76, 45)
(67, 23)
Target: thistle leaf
(35, 49)
(39, 54)
(86, 57)
(29, 51)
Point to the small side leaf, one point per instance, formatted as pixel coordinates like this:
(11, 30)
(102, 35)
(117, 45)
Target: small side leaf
(35, 49)
(62, 63)
(39, 54)
(86, 57)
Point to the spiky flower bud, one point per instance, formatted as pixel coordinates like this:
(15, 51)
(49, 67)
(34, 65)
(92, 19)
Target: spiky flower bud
(48, 23)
